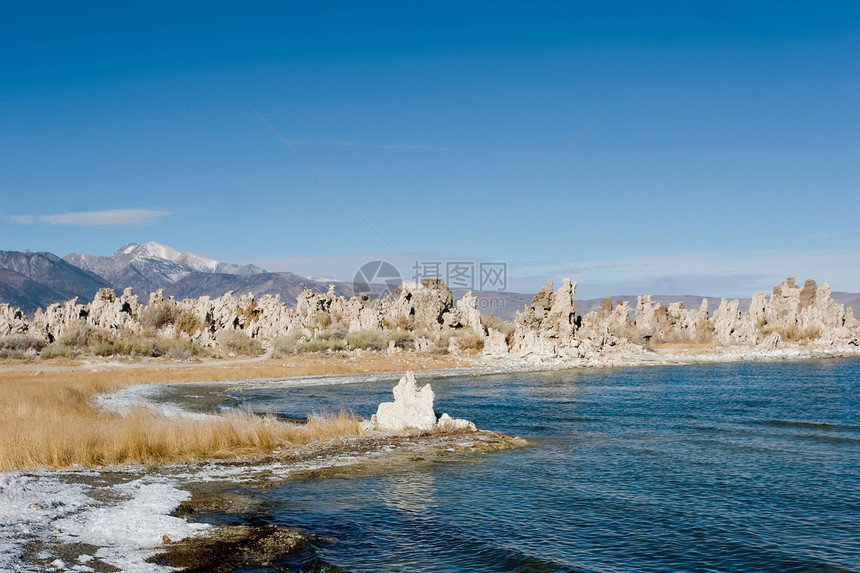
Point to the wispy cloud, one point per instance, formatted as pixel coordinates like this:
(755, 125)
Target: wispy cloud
(395, 146)
(748, 272)
(715, 274)
(107, 218)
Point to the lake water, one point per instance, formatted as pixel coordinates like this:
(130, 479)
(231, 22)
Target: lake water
(728, 467)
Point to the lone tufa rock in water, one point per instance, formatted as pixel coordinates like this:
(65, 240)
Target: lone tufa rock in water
(413, 408)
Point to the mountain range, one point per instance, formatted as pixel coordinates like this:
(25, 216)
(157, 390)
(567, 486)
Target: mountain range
(31, 280)
(151, 266)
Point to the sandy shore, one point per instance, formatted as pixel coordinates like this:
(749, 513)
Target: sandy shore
(158, 370)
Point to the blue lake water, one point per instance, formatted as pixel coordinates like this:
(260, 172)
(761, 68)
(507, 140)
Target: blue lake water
(728, 467)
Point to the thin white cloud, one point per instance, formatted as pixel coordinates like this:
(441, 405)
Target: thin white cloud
(716, 274)
(751, 271)
(404, 146)
(107, 218)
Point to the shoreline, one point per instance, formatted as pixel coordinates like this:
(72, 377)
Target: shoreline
(373, 363)
(155, 518)
(58, 507)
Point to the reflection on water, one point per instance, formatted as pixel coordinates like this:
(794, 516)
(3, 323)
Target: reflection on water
(734, 467)
(410, 492)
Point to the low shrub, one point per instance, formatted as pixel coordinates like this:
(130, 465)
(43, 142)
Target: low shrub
(467, 340)
(337, 331)
(792, 332)
(77, 335)
(367, 340)
(401, 338)
(628, 331)
(236, 342)
(145, 344)
(104, 348)
(128, 345)
(442, 339)
(500, 324)
(179, 349)
(188, 322)
(323, 344)
(400, 322)
(58, 350)
(705, 332)
(20, 346)
(159, 314)
(285, 345)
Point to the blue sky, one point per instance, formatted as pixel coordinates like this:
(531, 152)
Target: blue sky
(671, 148)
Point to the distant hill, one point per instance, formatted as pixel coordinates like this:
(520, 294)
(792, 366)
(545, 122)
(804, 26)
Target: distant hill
(31, 280)
(151, 266)
(851, 299)
(288, 285)
(148, 267)
(596, 304)
(506, 304)
(502, 304)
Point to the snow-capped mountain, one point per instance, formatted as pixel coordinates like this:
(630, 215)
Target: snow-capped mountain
(150, 266)
(30, 280)
(153, 250)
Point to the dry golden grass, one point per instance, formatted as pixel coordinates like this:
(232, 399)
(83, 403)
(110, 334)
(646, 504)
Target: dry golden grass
(48, 418)
(58, 426)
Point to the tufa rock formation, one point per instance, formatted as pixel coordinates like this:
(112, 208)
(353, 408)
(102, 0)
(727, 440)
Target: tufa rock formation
(413, 409)
(421, 315)
(549, 329)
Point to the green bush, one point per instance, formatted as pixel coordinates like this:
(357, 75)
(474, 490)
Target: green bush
(20, 343)
(179, 349)
(401, 338)
(337, 331)
(236, 342)
(129, 345)
(285, 345)
(323, 344)
(58, 350)
(104, 348)
(367, 340)
(441, 340)
(143, 344)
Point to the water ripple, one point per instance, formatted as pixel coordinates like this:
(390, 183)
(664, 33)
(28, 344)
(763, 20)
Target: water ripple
(735, 467)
